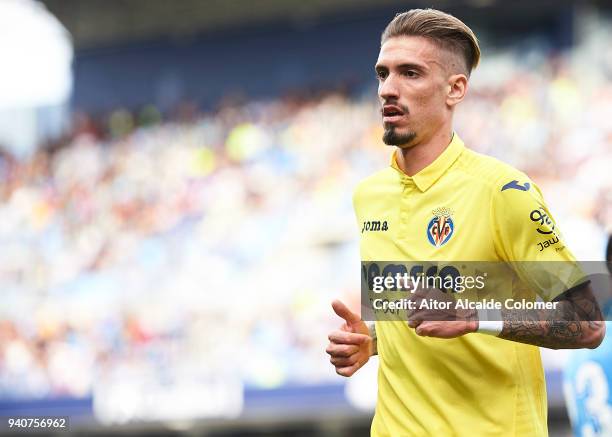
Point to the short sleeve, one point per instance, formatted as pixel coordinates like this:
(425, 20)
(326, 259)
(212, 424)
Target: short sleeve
(527, 236)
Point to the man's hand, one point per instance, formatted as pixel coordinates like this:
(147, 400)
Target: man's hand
(444, 321)
(351, 346)
(440, 329)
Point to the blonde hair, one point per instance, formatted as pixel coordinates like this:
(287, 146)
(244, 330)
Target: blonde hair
(447, 31)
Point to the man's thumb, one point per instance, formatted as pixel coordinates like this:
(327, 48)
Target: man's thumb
(343, 311)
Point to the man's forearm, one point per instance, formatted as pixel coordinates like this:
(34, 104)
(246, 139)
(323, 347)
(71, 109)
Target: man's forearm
(574, 323)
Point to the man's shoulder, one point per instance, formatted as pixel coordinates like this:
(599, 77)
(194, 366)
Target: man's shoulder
(496, 174)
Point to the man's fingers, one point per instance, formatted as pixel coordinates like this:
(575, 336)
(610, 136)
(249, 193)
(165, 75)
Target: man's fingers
(450, 329)
(341, 337)
(347, 371)
(422, 330)
(343, 311)
(343, 362)
(341, 350)
(429, 328)
(414, 322)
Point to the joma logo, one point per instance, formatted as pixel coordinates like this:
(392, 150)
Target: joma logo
(548, 243)
(374, 226)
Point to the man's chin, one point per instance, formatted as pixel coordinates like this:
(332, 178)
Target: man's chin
(392, 137)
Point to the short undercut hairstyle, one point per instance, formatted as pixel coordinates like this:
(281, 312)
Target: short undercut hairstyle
(450, 33)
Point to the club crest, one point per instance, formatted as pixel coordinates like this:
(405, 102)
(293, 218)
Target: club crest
(441, 227)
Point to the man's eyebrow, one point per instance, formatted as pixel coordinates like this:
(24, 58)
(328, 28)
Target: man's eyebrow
(404, 66)
(412, 66)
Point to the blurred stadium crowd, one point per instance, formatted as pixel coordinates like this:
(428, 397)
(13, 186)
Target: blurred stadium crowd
(211, 244)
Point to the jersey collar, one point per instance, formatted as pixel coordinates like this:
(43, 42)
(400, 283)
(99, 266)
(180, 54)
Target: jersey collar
(430, 174)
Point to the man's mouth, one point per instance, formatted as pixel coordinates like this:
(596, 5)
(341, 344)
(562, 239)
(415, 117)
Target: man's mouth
(391, 113)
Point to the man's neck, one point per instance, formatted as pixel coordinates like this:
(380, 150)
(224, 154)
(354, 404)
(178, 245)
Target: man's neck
(413, 159)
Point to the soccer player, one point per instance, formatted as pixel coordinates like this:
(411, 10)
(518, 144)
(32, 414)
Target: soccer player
(438, 200)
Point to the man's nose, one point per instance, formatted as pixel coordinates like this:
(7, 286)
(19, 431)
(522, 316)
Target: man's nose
(388, 89)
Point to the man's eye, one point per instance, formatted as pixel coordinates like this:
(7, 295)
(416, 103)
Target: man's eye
(410, 73)
(381, 74)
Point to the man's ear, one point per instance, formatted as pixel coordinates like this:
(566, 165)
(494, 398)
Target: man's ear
(457, 88)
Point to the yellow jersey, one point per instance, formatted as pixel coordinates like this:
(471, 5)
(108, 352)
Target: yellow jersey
(467, 207)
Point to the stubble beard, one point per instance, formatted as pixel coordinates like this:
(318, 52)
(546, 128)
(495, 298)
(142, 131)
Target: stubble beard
(392, 138)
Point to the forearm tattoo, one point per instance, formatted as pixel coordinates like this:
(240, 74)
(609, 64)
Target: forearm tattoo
(573, 324)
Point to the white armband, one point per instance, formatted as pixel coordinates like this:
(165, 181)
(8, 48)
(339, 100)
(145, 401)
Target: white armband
(490, 322)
